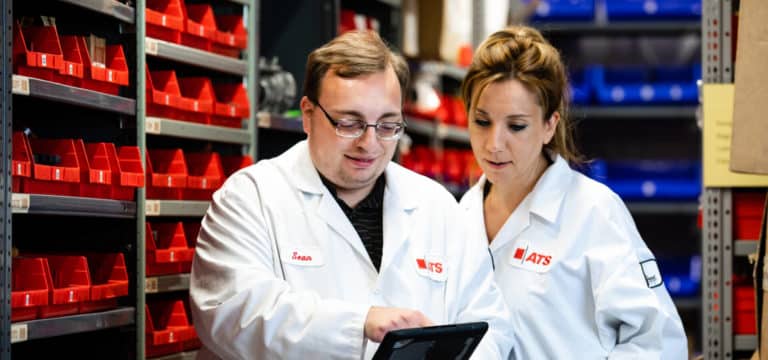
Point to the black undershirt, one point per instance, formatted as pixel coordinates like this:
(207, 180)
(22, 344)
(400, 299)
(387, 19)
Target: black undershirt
(366, 218)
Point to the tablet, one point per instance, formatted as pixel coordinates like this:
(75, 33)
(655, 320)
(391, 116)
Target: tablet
(456, 341)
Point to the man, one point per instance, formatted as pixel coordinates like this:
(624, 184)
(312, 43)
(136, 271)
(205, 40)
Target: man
(321, 251)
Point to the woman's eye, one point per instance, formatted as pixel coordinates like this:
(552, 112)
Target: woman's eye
(482, 123)
(516, 128)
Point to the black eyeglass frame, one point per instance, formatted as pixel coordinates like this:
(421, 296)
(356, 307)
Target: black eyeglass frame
(398, 133)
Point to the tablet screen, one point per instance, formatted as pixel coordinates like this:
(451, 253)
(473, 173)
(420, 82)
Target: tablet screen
(456, 341)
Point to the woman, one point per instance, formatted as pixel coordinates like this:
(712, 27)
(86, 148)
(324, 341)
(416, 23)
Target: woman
(576, 274)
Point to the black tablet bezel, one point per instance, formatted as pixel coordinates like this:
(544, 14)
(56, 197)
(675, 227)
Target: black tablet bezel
(442, 334)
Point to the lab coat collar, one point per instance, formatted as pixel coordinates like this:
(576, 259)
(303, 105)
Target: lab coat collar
(549, 192)
(399, 200)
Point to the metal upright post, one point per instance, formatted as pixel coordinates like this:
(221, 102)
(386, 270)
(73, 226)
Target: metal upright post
(141, 198)
(6, 134)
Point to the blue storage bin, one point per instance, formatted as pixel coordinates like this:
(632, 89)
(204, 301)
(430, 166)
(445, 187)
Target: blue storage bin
(581, 90)
(681, 275)
(650, 179)
(639, 85)
(564, 10)
(653, 9)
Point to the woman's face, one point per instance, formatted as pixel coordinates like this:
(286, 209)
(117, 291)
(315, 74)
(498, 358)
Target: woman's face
(508, 133)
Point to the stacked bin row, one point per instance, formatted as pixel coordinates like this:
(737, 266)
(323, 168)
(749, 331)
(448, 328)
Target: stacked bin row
(649, 179)
(617, 10)
(449, 110)
(635, 85)
(174, 175)
(39, 52)
(169, 328)
(196, 26)
(72, 167)
(455, 168)
(196, 99)
(170, 247)
(46, 286)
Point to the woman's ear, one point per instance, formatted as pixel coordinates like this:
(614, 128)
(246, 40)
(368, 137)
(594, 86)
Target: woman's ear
(550, 126)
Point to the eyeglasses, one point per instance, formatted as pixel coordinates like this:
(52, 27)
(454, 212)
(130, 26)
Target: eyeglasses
(348, 128)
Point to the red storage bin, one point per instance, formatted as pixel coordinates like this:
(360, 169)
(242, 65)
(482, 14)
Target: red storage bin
(29, 287)
(206, 174)
(37, 51)
(21, 160)
(233, 163)
(62, 178)
(199, 94)
(193, 342)
(167, 249)
(72, 71)
(454, 168)
(744, 318)
(130, 173)
(109, 77)
(232, 105)
(164, 98)
(165, 20)
(199, 27)
(166, 173)
(70, 285)
(109, 281)
(163, 94)
(191, 231)
(747, 214)
(95, 170)
(232, 36)
(167, 327)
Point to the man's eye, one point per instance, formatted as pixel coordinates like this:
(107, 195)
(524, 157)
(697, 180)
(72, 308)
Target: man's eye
(349, 124)
(389, 126)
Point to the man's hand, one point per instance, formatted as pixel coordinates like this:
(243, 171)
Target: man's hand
(381, 320)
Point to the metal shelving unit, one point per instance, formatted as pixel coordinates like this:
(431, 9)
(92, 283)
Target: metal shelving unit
(71, 206)
(191, 56)
(436, 130)
(112, 8)
(273, 121)
(189, 130)
(619, 27)
(6, 116)
(187, 355)
(46, 328)
(43, 89)
(718, 245)
(634, 112)
(166, 283)
(744, 247)
(663, 208)
(176, 208)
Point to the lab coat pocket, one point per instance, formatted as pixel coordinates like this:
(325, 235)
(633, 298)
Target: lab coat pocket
(302, 255)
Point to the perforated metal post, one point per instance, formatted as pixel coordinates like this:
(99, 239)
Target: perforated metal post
(6, 134)
(712, 288)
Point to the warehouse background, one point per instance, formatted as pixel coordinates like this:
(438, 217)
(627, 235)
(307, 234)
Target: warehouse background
(120, 119)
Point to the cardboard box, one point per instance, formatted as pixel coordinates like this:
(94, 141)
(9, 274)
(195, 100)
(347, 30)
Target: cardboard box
(749, 148)
(97, 48)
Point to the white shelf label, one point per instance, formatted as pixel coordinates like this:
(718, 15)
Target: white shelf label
(441, 131)
(20, 203)
(20, 85)
(19, 333)
(265, 120)
(153, 126)
(150, 285)
(152, 207)
(150, 46)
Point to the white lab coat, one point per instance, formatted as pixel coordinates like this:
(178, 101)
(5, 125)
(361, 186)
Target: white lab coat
(280, 272)
(568, 261)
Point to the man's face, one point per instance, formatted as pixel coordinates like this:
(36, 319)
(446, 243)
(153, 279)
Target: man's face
(352, 164)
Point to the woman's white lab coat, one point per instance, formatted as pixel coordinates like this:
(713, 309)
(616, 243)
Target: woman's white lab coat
(576, 275)
(280, 272)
